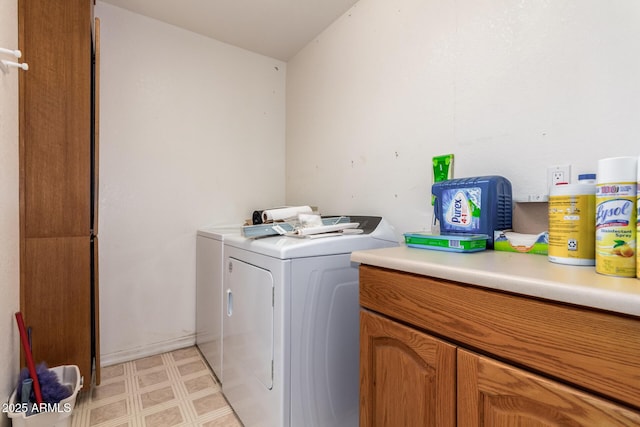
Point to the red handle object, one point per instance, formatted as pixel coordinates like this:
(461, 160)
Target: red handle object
(29, 357)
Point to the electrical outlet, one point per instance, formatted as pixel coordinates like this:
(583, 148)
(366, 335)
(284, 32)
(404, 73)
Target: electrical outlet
(558, 174)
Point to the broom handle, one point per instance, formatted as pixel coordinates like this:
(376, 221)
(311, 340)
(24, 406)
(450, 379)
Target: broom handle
(29, 357)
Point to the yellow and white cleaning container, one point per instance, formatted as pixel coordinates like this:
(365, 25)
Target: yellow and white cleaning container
(572, 222)
(616, 216)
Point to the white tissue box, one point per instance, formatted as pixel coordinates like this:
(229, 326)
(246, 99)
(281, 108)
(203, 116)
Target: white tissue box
(510, 241)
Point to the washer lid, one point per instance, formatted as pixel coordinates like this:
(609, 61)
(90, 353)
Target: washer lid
(219, 232)
(282, 247)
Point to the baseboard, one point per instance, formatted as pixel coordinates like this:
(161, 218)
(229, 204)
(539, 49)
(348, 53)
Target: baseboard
(147, 350)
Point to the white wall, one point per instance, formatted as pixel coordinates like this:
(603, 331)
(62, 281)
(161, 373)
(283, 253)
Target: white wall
(191, 134)
(9, 222)
(510, 87)
(193, 130)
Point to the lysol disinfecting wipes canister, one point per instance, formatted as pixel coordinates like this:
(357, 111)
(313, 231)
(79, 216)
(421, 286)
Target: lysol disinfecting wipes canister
(572, 224)
(616, 216)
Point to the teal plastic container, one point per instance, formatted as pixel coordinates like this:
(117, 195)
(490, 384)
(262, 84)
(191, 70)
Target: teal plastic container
(447, 242)
(476, 205)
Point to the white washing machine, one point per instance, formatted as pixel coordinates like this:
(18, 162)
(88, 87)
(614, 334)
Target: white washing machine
(209, 292)
(291, 327)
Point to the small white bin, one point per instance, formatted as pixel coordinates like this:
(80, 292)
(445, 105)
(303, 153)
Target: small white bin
(52, 415)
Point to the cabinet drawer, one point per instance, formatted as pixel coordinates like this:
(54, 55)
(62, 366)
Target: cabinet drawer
(592, 349)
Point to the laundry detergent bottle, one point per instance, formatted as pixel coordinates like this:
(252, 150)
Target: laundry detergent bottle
(476, 205)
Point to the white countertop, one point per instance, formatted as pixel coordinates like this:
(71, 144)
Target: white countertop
(525, 274)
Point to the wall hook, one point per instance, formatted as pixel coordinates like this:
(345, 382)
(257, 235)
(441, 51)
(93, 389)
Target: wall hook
(8, 64)
(5, 65)
(15, 53)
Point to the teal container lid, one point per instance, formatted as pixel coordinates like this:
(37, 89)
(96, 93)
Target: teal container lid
(451, 242)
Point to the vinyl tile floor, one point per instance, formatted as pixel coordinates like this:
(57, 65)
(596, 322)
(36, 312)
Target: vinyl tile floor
(166, 390)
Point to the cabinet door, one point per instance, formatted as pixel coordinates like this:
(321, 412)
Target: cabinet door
(55, 117)
(95, 309)
(494, 394)
(407, 378)
(57, 302)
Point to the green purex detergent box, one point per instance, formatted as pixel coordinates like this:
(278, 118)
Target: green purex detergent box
(475, 205)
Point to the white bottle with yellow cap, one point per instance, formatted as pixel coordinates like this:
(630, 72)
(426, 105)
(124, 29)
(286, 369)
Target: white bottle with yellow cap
(572, 222)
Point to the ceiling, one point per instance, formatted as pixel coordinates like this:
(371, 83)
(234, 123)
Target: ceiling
(275, 28)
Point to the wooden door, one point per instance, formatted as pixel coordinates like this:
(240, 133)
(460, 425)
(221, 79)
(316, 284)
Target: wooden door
(95, 309)
(95, 150)
(55, 117)
(407, 378)
(56, 304)
(494, 394)
(95, 147)
(55, 179)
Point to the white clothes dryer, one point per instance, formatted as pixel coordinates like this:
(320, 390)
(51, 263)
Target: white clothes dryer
(291, 327)
(209, 292)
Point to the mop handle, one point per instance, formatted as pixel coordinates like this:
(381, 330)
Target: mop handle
(29, 357)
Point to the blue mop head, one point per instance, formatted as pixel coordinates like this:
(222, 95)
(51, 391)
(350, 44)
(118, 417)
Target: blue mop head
(50, 388)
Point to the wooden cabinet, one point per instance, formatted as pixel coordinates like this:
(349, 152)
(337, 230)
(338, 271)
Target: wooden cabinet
(519, 361)
(60, 261)
(408, 377)
(496, 394)
(56, 167)
(55, 113)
